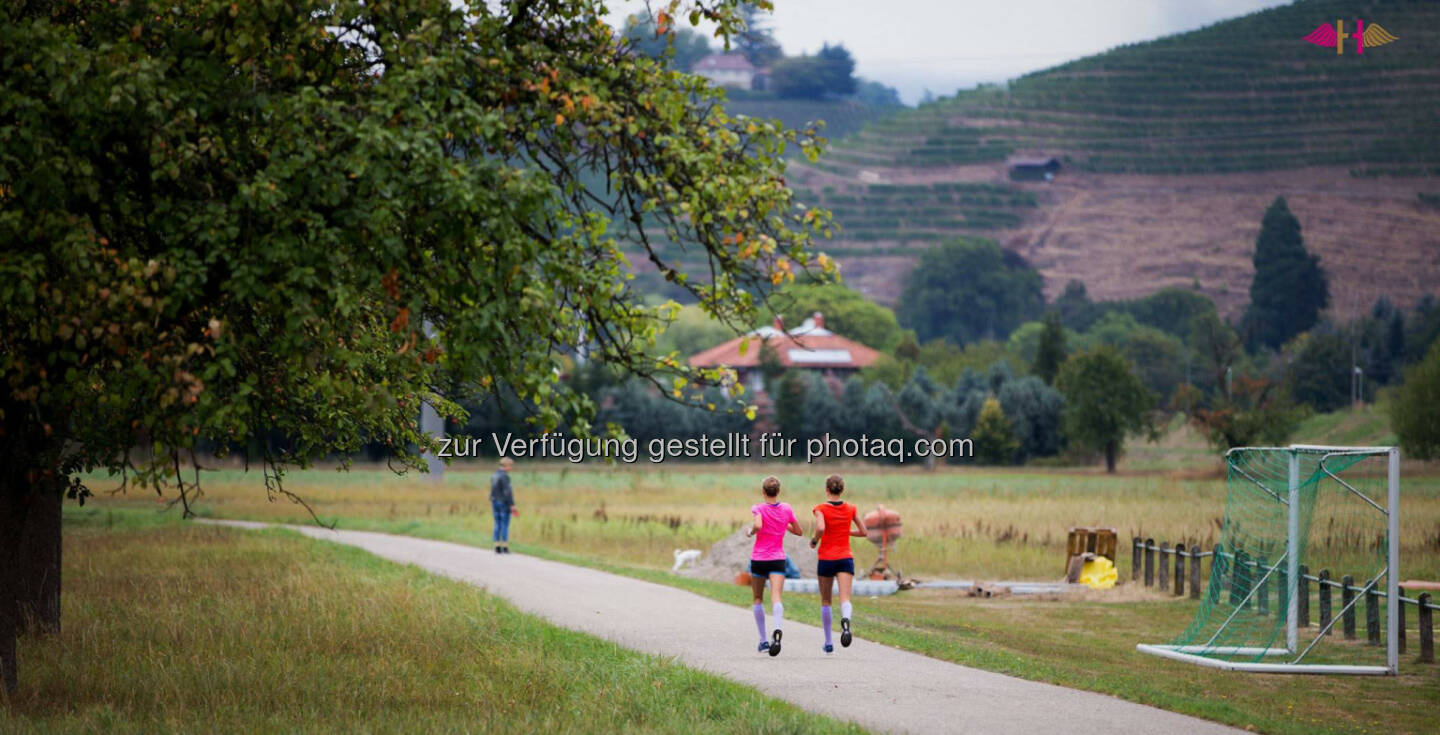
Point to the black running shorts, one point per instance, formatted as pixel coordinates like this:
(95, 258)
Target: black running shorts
(767, 568)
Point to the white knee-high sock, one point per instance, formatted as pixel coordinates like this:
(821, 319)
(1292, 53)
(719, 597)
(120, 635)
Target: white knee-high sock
(777, 611)
(845, 609)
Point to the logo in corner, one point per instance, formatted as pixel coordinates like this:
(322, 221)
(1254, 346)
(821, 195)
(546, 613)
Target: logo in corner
(1334, 36)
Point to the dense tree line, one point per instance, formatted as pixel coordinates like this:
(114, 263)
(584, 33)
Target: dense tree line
(967, 290)
(975, 352)
(828, 74)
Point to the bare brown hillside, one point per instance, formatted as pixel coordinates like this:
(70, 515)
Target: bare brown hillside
(1127, 235)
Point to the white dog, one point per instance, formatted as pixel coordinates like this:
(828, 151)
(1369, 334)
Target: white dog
(688, 556)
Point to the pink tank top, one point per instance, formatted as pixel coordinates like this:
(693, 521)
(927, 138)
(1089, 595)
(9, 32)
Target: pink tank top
(770, 541)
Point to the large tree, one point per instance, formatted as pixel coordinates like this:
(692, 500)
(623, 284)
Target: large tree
(846, 312)
(753, 38)
(1289, 289)
(1217, 348)
(1412, 411)
(839, 69)
(1159, 358)
(1104, 402)
(225, 222)
(1258, 412)
(967, 290)
(1319, 374)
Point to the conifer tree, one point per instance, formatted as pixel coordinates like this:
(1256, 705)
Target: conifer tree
(1289, 289)
(1051, 351)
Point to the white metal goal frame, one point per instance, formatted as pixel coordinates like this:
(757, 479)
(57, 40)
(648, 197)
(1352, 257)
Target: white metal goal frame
(1291, 559)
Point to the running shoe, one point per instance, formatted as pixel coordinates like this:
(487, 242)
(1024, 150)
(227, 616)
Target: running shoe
(829, 648)
(845, 632)
(764, 646)
(775, 643)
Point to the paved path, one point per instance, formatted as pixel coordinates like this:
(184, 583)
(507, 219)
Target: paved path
(881, 688)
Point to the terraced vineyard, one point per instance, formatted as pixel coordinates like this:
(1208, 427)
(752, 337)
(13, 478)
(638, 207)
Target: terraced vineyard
(1245, 94)
(926, 212)
(842, 118)
(1171, 150)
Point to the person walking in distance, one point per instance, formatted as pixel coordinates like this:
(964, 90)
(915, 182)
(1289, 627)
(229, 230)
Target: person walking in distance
(833, 520)
(770, 520)
(502, 502)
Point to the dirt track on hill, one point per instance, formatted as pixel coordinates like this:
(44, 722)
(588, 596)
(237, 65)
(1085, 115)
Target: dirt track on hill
(879, 687)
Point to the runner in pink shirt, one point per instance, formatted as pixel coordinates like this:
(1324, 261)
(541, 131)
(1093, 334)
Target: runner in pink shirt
(772, 519)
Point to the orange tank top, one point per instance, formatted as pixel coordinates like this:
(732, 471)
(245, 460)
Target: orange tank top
(835, 542)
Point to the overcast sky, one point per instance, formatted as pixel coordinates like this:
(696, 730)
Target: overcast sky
(945, 45)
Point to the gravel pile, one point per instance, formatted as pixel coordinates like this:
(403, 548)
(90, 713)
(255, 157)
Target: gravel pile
(731, 555)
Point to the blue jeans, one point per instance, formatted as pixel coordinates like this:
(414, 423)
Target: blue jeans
(502, 521)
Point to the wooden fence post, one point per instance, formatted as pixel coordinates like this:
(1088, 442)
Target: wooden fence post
(1240, 578)
(1149, 562)
(1325, 600)
(1400, 615)
(1262, 564)
(1135, 559)
(1195, 570)
(1162, 578)
(1282, 586)
(1347, 596)
(1219, 567)
(1179, 570)
(1427, 631)
(1372, 616)
(1302, 598)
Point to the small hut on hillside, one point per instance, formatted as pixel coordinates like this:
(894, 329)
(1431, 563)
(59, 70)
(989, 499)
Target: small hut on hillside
(1034, 169)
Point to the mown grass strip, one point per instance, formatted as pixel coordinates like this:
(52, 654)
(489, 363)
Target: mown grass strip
(172, 627)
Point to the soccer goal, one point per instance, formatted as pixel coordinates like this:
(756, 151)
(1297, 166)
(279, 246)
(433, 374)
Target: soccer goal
(1305, 571)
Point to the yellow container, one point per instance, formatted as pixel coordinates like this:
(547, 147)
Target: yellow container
(1099, 574)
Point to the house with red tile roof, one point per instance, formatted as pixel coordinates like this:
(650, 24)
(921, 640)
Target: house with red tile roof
(809, 346)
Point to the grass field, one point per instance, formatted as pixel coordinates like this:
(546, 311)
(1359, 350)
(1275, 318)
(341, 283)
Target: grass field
(1085, 642)
(983, 524)
(171, 627)
(1089, 643)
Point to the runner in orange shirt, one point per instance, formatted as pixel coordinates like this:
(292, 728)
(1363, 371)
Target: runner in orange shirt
(833, 520)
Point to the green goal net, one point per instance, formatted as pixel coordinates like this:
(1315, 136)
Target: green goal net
(1304, 566)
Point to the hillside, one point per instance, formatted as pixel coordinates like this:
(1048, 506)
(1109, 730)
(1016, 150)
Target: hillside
(842, 118)
(1171, 151)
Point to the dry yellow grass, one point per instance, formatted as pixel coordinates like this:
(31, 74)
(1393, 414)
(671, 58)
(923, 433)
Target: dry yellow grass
(985, 524)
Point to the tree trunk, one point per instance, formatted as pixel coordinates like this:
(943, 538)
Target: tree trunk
(1111, 449)
(30, 505)
(39, 589)
(11, 522)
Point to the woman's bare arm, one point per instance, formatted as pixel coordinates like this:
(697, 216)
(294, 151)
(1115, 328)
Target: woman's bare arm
(819, 529)
(755, 526)
(795, 528)
(859, 526)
